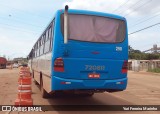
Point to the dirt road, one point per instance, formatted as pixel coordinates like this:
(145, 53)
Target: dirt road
(143, 88)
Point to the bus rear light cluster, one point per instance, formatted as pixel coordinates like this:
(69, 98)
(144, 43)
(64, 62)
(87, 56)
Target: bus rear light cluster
(59, 65)
(125, 67)
(120, 83)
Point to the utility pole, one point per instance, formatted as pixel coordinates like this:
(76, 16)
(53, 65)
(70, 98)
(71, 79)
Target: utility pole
(155, 49)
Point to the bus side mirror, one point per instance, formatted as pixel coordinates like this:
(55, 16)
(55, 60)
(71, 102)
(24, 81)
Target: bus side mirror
(66, 25)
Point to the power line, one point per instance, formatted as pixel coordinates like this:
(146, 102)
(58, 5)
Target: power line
(17, 28)
(143, 18)
(134, 5)
(144, 28)
(121, 6)
(146, 45)
(140, 22)
(142, 5)
(3, 17)
(33, 14)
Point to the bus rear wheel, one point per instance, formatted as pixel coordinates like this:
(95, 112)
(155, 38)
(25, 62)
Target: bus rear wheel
(89, 94)
(35, 82)
(43, 91)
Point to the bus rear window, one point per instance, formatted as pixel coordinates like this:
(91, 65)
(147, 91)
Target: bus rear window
(95, 28)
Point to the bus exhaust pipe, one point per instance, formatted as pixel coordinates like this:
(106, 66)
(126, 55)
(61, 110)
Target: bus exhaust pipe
(66, 25)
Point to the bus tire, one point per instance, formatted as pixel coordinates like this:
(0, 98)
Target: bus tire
(89, 94)
(35, 82)
(32, 73)
(43, 91)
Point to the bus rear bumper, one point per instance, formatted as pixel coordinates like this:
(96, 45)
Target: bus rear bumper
(73, 84)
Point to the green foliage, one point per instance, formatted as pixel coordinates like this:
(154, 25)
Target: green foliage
(138, 55)
(156, 70)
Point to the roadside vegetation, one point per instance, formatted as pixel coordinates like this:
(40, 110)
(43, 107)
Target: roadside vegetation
(155, 70)
(138, 55)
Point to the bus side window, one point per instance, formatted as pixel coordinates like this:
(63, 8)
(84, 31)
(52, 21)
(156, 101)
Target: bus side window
(42, 45)
(33, 56)
(37, 48)
(33, 53)
(51, 29)
(47, 43)
(44, 39)
(39, 41)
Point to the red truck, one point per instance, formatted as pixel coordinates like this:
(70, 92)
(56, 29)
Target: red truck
(3, 62)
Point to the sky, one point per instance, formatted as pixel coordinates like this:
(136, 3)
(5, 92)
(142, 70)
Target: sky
(23, 21)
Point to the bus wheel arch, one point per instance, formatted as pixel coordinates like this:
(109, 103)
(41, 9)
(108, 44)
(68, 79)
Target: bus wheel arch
(32, 73)
(89, 94)
(43, 91)
(35, 82)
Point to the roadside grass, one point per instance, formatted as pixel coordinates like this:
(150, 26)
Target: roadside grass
(155, 70)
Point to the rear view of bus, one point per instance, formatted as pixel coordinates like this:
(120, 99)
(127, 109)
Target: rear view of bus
(94, 56)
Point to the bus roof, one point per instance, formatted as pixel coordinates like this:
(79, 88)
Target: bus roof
(87, 12)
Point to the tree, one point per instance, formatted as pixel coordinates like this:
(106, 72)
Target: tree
(137, 54)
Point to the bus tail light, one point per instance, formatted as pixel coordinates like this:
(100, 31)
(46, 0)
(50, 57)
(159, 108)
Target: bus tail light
(59, 65)
(125, 67)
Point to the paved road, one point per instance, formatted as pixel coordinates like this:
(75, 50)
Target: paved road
(143, 88)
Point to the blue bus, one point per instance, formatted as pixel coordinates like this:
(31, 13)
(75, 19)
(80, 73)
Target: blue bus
(83, 52)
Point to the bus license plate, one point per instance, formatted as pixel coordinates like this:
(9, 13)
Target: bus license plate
(93, 75)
